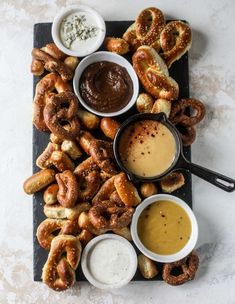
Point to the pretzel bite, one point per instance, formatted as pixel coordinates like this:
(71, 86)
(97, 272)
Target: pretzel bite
(89, 120)
(57, 211)
(116, 45)
(162, 105)
(124, 232)
(68, 189)
(37, 67)
(114, 197)
(62, 161)
(126, 190)
(85, 139)
(148, 189)
(71, 148)
(144, 103)
(55, 139)
(85, 223)
(172, 182)
(52, 50)
(44, 160)
(147, 267)
(50, 194)
(71, 62)
(105, 191)
(109, 127)
(85, 236)
(38, 181)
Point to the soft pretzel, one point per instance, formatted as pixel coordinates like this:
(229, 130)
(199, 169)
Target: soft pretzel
(44, 160)
(187, 134)
(50, 194)
(85, 224)
(37, 67)
(44, 87)
(52, 64)
(105, 191)
(60, 108)
(153, 74)
(68, 189)
(175, 40)
(130, 37)
(38, 181)
(71, 148)
(54, 51)
(116, 45)
(86, 166)
(85, 236)
(61, 161)
(172, 182)
(124, 232)
(147, 267)
(162, 105)
(148, 189)
(115, 198)
(85, 139)
(88, 185)
(89, 120)
(109, 126)
(144, 103)
(47, 229)
(55, 139)
(57, 211)
(71, 62)
(149, 24)
(63, 259)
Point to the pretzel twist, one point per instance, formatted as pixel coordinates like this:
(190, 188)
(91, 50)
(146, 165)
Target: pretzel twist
(68, 189)
(64, 256)
(44, 160)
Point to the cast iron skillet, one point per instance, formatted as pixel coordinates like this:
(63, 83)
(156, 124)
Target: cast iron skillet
(180, 162)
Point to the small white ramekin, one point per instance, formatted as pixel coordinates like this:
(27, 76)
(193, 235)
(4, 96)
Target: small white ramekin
(86, 255)
(158, 257)
(111, 57)
(55, 31)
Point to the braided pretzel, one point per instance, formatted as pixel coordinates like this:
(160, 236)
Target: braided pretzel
(44, 87)
(189, 266)
(63, 259)
(47, 228)
(149, 24)
(175, 40)
(153, 74)
(55, 114)
(178, 113)
(68, 189)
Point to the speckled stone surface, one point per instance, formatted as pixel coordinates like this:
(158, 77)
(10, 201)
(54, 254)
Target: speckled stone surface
(212, 63)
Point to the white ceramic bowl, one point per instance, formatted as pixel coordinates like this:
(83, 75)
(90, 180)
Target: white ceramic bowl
(83, 51)
(111, 57)
(86, 256)
(158, 257)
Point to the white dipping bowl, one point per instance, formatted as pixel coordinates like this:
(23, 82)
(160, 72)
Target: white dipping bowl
(189, 246)
(87, 255)
(111, 57)
(83, 51)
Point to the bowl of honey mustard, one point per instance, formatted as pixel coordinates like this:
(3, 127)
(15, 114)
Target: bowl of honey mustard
(164, 228)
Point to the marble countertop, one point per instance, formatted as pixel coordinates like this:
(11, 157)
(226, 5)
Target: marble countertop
(212, 75)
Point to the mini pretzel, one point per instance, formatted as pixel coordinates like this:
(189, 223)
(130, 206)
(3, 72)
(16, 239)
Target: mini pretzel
(63, 259)
(71, 148)
(56, 211)
(47, 228)
(50, 194)
(85, 224)
(144, 103)
(46, 85)
(89, 120)
(172, 182)
(153, 74)
(88, 185)
(162, 105)
(44, 160)
(116, 45)
(107, 215)
(109, 127)
(85, 139)
(38, 181)
(68, 189)
(178, 113)
(188, 265)
(52, 64)
(149, 24)
(56, 113)
(175, 40)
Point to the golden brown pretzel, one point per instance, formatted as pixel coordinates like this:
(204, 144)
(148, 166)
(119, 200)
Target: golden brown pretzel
(86, 166)
(85, 224)
(44, 160)
(57, 211)
(89, 120)
(61, 161)
(187, 134)
(47, 229)
(105, 191)
(44, 87)
(109, 127)
(63, 259)
(71, 148)
(147, 267)
(148, 189)
(189, 266)
(149, 24)
(38, 181)
(116, 45)
(153, 74)
(131, 38)
(175, 40)
(52, 64)
(144, 103)
(88, 185)
(85, 139)
(50, 194)
(68, 189)
(172, 182)
(162, 105)
(52, 50)
(56, 113)
(178, 113)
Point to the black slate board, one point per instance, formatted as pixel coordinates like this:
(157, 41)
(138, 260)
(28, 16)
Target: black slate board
(179, 71)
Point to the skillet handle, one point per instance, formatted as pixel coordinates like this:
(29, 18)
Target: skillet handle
(217, 179)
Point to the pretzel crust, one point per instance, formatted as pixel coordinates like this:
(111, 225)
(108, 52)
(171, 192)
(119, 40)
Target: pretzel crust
(116, 45)
(68, 189)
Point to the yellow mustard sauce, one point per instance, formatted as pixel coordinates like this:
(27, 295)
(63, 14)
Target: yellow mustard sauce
(164, 227)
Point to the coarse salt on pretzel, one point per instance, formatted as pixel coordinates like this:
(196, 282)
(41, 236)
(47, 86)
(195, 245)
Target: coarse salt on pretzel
(130, 37)
(175, 41)
(86, 166)
(57, 211)
(116, 45)
(105, 191)
(88, 185)
(44, 160)
(50, 194)
(153, 74)
(62, 161)
(63, 259)
(68, 188)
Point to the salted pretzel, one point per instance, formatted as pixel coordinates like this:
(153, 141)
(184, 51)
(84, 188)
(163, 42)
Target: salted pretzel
(61, 161)
(105, 191)
(38, 181)
(88, 185)
(107, 215)
(153, 74)
(149, 24)
(47, 229)
(130, 37)
(188, 265)
(86, 166)
(109, 127)
(179, 115)
(56, 211)
(44, 159)
(85, 224)
(175, 41)
(50, 83)
(85, 139)
(116, 45)
(172, 182)
(56, 113)
(144, 103)
(68, 189)
(52, 64)
(63, 259)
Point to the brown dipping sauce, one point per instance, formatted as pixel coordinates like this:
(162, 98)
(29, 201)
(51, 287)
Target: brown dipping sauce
(106, 86)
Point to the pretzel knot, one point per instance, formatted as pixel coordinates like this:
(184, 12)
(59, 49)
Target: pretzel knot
(107, 215)
(68, 189)
(61, 109)
(175, 40)
(188, 266)
(153, 74)
(63, 259)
